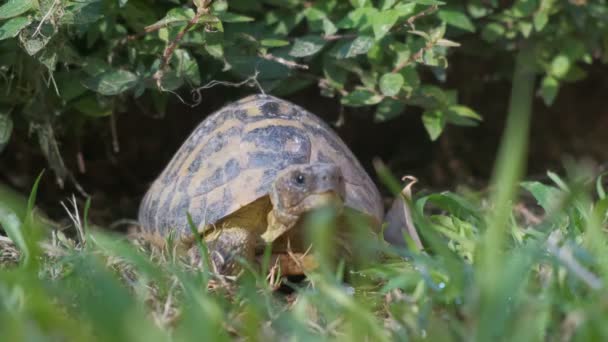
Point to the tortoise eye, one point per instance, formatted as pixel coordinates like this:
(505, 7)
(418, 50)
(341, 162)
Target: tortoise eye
(299, 178)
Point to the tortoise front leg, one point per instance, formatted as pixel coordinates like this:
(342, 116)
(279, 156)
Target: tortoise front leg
(225, 247)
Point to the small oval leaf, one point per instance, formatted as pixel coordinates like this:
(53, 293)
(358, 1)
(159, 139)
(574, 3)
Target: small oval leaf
(391, 83)
(112, 82)
(14, 8)
(12, 27)
(361, 97)
(306, 46)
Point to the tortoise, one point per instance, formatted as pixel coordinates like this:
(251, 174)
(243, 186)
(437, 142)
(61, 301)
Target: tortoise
(249, 172)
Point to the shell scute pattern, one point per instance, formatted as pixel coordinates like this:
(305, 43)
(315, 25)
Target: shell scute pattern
(233, 156)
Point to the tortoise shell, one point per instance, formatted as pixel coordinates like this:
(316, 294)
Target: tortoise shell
(231, 159)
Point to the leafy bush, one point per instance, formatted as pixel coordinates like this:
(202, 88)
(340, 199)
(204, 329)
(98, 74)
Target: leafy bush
(67, 62)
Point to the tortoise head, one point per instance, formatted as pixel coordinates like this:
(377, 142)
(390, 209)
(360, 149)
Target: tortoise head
(302, 188)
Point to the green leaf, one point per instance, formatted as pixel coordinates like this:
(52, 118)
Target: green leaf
(359, 3)
(525, 28)
(447, 43)
(464, 111)
(228, 17)
(524, 8)
(361, 97)
(492, 32)
(388, 109)
(89, 105)
(6, 129)
(434, 123)
(386, 4)
(69, 85)
(318, 21)
(560, 66)
(215, 50)
(274, 42)
(176, 16)
(94, 66)
(412, 80)
(83, 13)
(457, 19)
(405, 9)
(14, 8)
(428, 2)
(548, 89)
(541, 18)
(187, 67)
(12, 27)
(382, 22)
(359, 19)
(547, 196)
(352, 48)
(112, 82)
(217, 6)
(455, 204)
(391, 83)
(335, 75)
(307, 46)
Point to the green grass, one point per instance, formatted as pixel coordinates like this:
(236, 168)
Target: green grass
(549, 282)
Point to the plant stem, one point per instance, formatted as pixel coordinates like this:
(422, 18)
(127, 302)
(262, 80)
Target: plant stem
(509, 168)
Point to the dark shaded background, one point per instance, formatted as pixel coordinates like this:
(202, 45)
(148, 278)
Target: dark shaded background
(575, 125)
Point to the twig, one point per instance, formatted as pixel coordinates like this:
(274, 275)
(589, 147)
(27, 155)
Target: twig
(429, 45)
(283, 61)
(147, 29)
(171, 47)
(44, 18)
(332, 37)
(197, 97)
(410, 21)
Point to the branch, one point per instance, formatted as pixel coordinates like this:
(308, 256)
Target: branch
(412, 19)
(429, 45)
(171, 47)
(283, 61)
